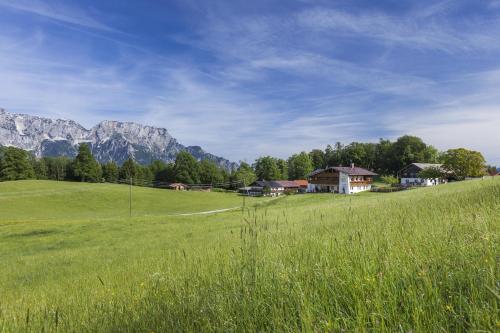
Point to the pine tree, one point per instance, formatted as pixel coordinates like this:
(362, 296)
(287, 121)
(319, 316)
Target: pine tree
(15, 164)
(85, 167)
(110, 172)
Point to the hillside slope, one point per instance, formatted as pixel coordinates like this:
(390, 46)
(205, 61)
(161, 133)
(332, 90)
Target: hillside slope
(420, 261)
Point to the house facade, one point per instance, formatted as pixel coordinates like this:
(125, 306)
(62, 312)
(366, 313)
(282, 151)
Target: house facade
(273, 187)
(346, 180)
(270, 187)
(409, 175)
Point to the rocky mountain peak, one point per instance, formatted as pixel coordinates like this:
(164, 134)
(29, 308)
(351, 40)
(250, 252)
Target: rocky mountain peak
(109, 140)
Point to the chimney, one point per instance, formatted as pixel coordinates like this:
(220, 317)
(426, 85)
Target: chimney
(352, 165)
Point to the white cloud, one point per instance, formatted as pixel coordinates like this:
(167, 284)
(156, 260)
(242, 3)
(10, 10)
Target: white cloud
(417, 31)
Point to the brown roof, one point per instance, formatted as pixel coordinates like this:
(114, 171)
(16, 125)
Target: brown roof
(301, 182)
(351, 171)
(356, 171)
(287, 183)
(176, 185)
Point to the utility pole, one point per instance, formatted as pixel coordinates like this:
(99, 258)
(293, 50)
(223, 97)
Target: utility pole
(130, 198)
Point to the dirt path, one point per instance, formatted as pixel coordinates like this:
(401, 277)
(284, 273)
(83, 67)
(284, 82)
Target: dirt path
(208, 212)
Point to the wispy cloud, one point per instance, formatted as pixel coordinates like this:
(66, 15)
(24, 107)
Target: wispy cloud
(58, 11)
(243, 83)
(418, 30)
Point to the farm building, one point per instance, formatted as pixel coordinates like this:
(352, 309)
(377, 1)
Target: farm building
(177, 186)
(201, 188)
(289, 186)
(346, 180)
(302, 183)
(410, 175)
(273, 187)
(252, 191)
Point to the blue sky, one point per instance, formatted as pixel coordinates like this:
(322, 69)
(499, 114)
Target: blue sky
(250, 78)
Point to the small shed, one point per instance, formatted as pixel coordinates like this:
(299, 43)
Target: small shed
(178, 186)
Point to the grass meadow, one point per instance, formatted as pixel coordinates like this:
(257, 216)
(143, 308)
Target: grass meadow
(72, 260)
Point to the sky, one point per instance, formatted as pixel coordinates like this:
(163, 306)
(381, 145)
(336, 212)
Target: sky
(245, 79)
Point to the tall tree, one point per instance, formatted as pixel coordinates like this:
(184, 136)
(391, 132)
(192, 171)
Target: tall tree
(317, 158)
(110, 172)
(410, 149)
(58, 168)
(383, 157)
(282, 169)
(15, 164)
(41, 169)
(300, 166)
(266, 168)
(210, 173)
(128, 170)
(245, 174)
(85, 167)
(464, 163)
(186, 168)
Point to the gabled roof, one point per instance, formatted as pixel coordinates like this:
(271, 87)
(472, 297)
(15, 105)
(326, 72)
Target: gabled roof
(315, 172)
(351, 171)
(423, 166)
(287, 183)
(354, 171)
(270, 183)
(301, 182)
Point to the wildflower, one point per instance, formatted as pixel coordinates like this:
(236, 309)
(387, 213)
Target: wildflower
(449, 307)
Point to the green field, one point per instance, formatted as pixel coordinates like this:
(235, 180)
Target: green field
(72, 260)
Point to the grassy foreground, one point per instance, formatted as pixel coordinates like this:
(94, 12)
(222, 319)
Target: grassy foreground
(421, 261)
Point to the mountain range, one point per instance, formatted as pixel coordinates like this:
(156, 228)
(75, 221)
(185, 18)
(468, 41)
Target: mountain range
(108, 140)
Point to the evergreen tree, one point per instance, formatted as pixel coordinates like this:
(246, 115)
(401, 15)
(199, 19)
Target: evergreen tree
(15, 164)
(58, 168)
(85, 167)
(128, 170)
(110, 172)
(40, 168)
(317, 158)
(158, 168)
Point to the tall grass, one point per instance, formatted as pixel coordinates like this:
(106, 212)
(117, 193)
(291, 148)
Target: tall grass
(420, 261)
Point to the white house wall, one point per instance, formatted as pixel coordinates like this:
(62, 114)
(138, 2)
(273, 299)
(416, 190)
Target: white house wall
(420, 181)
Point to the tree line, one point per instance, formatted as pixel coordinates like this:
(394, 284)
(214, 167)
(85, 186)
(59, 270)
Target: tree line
(16, 164)
(384, 157)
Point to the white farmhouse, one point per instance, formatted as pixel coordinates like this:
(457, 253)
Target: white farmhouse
(409, 175)
(346, 180)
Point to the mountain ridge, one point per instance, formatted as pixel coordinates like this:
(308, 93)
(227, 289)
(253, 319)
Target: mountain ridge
(109, 140)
